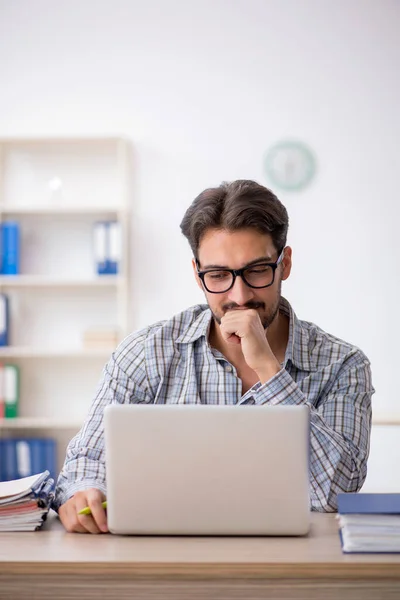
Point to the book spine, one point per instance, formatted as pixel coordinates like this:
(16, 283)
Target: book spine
(10, 239)
(11, 391)
(100, 247)
(10, 470)
(114, 248)
(2, 403)
(2, 461)
(23, 458)
(4, 320)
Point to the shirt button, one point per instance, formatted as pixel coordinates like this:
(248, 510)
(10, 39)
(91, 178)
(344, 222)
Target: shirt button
(228, 368)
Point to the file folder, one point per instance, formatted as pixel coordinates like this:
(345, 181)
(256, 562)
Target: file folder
(2, 461)
(114, 247)
(10, 247)
(11, 391)
(22, 457)
(2, 404)
(4, 320)
(100, 247)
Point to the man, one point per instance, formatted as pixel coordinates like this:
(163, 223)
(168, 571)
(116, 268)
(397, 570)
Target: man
(245, 347)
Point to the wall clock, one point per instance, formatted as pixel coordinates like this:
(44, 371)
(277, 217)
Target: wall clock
(290, 165)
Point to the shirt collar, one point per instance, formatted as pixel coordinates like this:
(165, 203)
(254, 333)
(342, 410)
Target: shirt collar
(297, 350)
(197, 328)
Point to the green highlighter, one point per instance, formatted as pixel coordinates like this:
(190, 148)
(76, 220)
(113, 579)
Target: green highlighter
(87, 511)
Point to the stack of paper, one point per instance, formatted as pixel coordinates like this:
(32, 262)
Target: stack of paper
(24, 503)
(369, 522)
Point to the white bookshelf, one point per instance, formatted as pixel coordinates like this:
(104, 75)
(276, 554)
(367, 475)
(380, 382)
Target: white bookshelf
(32, 281)
(35, 423)
(57, 189)
(11, 352)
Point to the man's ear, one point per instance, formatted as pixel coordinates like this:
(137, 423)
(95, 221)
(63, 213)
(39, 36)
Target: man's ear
(198, 280)
(286, 263)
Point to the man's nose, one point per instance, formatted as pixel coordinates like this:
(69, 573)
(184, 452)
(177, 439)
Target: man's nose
(240, 293)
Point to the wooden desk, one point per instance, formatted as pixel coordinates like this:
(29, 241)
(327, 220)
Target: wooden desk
(54, 564)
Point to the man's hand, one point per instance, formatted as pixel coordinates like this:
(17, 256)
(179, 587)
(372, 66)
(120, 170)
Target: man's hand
(94, 523)
(244, 327)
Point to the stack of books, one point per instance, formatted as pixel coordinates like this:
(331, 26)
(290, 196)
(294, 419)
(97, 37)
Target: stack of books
(369, 522)
(25, 503)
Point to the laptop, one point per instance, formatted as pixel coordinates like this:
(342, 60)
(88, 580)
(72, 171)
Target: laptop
(207, 470)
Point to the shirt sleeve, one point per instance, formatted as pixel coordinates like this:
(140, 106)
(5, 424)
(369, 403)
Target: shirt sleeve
(340, 428)
(123, 381)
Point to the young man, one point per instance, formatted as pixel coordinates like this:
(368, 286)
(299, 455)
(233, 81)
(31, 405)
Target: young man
(246, 346)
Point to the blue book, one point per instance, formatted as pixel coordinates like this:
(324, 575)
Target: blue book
(10, 248)
(369, 523)
(369, 504)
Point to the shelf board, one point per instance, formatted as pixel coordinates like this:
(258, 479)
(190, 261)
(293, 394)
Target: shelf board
(60, 210)
(43, 141)
(38, 423)
(389, 419)
(47, 281)
(27, 352)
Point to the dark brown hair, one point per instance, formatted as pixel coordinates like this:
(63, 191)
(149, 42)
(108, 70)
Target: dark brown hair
(232, 206)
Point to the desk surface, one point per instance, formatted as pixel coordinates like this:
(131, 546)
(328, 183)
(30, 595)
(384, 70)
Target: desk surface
(317, 556)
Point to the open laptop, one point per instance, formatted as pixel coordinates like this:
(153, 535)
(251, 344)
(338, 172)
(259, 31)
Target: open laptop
(207, 470)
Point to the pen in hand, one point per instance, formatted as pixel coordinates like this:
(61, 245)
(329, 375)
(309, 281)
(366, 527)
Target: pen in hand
(87, 511)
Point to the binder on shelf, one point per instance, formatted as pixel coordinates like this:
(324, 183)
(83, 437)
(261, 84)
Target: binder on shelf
(2, 404)
(114, 247)
(369, 522)
(4, 320)
(11, 391)
(2, 467)
(107, 247)
(100, 246)
(10, 248)
(22, 457)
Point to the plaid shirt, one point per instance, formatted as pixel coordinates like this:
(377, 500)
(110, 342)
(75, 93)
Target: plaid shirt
(172, 362)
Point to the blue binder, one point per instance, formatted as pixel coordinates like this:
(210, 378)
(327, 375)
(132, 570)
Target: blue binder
(2, 461)
(4, 320)
(100, 247)
(10, 248)
(22, 457)
(114, 249)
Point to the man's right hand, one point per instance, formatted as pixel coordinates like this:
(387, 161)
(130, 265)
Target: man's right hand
(94, 523)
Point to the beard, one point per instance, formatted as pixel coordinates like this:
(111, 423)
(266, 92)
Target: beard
(267, 315)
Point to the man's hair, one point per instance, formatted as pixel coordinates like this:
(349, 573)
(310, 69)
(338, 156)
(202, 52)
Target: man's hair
(241, 204)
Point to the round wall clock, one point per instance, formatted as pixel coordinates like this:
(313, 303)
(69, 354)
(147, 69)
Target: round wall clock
(290, 165)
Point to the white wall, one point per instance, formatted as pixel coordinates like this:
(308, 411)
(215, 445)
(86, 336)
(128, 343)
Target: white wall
(203, 89)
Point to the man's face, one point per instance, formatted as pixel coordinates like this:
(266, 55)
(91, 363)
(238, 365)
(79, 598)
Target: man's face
(224, 249)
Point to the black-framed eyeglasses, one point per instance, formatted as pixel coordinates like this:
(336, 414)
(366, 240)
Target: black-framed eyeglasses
(259, 275)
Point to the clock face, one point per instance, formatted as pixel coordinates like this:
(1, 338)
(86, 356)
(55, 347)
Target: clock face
(290, 165)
